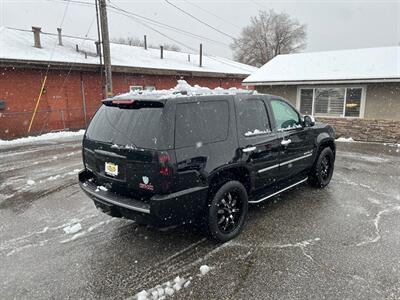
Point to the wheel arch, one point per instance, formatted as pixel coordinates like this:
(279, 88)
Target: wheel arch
(222, 175)
(325, 140)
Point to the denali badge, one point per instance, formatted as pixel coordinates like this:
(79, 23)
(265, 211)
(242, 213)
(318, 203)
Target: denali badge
(146, 185)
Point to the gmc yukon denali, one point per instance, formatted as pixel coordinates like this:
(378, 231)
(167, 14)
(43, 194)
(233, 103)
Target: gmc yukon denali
(200, 159)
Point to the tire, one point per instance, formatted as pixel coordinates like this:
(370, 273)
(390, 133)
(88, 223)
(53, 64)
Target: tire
(322, 171)
(227, 211)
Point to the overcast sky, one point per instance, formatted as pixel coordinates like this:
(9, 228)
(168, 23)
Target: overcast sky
(331, 25)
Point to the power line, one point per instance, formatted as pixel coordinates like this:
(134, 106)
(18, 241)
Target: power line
(80, 46)
(118, 9)
(223, 61)
(184, 45)
(198, 20)
(211, 13)
(115, 7)
(160, 33)
(258, 4)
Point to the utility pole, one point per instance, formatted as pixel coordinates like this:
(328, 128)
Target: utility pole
(106, 47)
(98, 47)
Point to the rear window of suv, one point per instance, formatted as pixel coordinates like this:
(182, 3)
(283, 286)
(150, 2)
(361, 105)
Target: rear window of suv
(200, 123)
(128, 127)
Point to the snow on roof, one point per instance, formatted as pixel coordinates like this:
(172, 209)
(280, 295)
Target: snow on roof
(17, 44)
(182, 89)
(356, 64)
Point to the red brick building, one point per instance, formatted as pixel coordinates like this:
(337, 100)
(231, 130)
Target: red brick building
(73, 89)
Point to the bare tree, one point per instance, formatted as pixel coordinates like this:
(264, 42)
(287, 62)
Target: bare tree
(137, 42)
(268, 35)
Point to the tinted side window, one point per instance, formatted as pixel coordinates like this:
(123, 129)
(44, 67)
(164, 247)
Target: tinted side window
(285, 116)
(199, 123)
(252, 118)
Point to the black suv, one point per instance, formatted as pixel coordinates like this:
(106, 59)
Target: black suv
(180, 159)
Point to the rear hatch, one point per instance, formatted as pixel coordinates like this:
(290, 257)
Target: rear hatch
(125, 148)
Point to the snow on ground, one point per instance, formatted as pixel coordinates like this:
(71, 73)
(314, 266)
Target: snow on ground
(72, 229)
(164, 290)
(204, 269)
(43, 137)
(169, 288)
(345, 140)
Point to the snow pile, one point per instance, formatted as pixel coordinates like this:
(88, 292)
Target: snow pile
(31, 182)
(182, 88)
(73, 172)
(101, 188)
(43, 137)
(164, 290)
(290, 127)
(72, 229)
(345, 140)
(204, 269)
(52, 178)
(256, 132)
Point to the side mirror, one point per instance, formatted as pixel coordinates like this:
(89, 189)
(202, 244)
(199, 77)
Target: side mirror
(308, 121)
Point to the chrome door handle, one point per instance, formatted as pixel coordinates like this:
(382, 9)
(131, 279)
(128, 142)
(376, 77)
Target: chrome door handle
(286, 142)
(249, 149)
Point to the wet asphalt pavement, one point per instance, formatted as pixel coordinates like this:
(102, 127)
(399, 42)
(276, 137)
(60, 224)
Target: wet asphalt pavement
(339, 242)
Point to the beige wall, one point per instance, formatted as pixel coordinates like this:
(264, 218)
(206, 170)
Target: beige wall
(288, 92)
(382, 100)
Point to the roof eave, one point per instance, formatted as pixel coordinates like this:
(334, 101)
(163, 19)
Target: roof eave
(35, 64)
(313, 82)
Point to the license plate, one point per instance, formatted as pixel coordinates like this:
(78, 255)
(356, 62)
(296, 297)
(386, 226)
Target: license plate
(111, 169)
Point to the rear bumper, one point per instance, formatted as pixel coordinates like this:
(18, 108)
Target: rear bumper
(160, 210)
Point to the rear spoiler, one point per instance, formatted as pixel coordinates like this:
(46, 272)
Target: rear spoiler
(132, 103)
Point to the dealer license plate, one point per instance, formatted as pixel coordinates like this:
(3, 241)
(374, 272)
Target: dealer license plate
(111, 169)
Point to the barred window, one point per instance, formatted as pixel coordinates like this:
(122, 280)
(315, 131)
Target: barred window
(331, 101)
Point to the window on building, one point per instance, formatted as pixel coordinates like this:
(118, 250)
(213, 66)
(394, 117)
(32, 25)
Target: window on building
(306, 96)
(331, 101)
(200, 123)
(136, 88)
(149, 88)
(353, 102)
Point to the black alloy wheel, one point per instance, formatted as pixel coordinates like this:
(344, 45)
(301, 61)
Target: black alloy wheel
(227, 211)
(321, 173)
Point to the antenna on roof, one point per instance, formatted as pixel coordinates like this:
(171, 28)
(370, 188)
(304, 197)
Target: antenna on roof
(162, 52)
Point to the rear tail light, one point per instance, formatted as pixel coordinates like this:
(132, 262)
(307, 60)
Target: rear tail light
(164, 161)
(165, 171)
